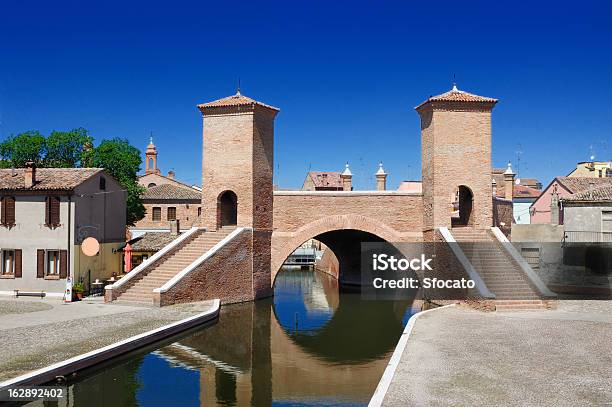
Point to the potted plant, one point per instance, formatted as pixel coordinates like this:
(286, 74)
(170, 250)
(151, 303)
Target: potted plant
(78, 289)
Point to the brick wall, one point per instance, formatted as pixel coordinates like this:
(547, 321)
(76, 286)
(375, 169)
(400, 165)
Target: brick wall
(186, 213)
(238, 156)
(456, 150)
(210, 279)
(502, 213)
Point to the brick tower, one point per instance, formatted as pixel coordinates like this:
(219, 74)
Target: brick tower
(237, 167)
(456, 160)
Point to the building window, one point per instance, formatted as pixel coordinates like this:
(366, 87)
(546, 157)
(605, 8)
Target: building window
(151, 185)
(102, 184)
(53, 263)
(171, 213)
(7, 211)
(8, 262)
(606, 224)
(199, 211)
(52, 211)
(532, 256)
(156, 214)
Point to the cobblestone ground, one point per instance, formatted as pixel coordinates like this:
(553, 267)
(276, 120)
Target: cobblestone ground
(37, 333)
(461, 357)
(22, 307)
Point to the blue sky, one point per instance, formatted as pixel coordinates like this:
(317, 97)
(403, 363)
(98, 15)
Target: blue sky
(346, 76)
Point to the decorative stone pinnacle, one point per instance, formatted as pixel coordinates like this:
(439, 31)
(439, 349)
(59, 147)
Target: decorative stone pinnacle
(347, 171)
(509, 169)
(381, 170)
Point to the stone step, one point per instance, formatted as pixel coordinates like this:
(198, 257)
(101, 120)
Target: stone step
(143, 303)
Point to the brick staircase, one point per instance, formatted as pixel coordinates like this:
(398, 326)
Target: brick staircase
(140, 291)
(503, 276)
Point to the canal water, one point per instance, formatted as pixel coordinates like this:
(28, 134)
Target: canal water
(312, 344)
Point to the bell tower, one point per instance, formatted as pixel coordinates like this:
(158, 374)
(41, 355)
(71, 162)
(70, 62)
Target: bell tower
(456, 160)
(151, 158)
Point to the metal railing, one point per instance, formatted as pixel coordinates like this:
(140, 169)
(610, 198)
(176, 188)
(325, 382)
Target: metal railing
(583, 236)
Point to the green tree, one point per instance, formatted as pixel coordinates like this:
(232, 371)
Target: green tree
(17, 150)
(66, 149)
(122, 161)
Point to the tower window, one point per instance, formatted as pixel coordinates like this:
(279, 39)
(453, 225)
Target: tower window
(102, 184)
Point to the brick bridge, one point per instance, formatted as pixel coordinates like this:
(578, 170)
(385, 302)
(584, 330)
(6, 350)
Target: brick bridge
(342, 220)
(248, 229)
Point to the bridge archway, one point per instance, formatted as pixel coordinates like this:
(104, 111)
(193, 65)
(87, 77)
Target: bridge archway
(342, 234)
(227, 209)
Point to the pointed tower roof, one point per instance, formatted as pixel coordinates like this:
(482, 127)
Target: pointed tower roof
(234, 101)
(381, 170)
(151, 149)
(456, 95)
(347, 171)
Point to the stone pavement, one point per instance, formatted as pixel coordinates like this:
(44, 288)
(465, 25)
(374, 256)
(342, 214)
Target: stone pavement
(38, 332)
(461, 357)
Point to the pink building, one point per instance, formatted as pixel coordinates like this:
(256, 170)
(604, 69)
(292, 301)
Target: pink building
(564, 187)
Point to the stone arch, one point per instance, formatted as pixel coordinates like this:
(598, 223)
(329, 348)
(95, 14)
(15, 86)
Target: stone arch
(227, 209)
(283, 246)
(465, 207)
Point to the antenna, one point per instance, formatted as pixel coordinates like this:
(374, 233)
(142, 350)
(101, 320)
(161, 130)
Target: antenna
(519, 153)
(454, 80)
(238, 90)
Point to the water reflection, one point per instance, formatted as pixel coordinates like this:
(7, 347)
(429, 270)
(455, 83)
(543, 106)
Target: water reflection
(309, 345)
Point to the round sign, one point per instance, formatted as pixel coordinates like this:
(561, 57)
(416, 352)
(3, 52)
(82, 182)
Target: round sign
(90, 246)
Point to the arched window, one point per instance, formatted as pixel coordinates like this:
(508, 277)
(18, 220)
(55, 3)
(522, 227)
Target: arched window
(227, 209)
(152, 184)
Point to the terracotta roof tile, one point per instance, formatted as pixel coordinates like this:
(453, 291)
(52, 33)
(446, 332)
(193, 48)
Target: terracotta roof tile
(151, 241)
(63, 179)
(170, 191)
(519, 191)
(326, 179)
(578, 184)
(235, 100)
(456, 95)
(602, 193)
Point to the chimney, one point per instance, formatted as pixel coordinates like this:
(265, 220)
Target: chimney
(171, 174)
(494, 187)
(175, 227)
(509, 182)
(30, 174)
(347, 179)
(381, 178)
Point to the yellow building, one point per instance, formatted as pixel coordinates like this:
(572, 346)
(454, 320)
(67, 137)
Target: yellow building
(592, 169)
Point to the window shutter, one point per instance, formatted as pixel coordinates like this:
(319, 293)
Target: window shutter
(47, 211)
(9, 211)
(3, 210)
(40, 263)
(63, 263)
(17, 263)
(55, 211)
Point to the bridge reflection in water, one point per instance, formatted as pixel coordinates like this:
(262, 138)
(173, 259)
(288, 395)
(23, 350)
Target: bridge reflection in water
(309, 345)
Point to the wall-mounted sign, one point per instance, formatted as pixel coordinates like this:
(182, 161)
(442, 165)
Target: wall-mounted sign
(90, 246)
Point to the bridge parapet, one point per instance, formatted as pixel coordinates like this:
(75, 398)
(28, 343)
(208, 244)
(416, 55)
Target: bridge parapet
(394, 216)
